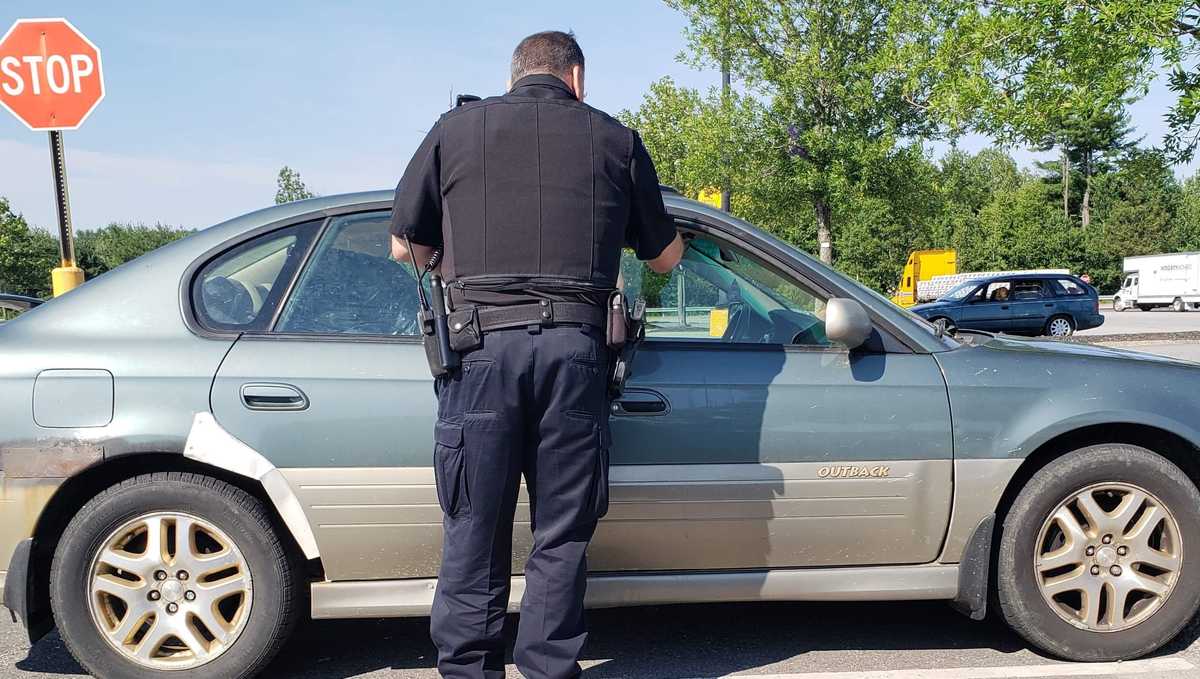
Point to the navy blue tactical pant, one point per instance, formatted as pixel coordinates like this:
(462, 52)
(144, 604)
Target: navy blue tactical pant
(530, 402)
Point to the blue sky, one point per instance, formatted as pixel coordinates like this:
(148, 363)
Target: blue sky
(205, 101)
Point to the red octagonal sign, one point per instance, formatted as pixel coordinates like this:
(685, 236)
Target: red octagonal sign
(50, 74)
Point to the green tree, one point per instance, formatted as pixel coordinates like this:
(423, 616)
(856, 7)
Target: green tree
(26, 255)
(841, 79)
(968, 184)
(1019, 70)
(290, 187)
(1136, 208)
(100, 250)
(1188, 233)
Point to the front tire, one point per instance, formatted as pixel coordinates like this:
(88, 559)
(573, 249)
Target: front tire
(1092, 564)
(947, 326)
(1178, 306)
(173, 574)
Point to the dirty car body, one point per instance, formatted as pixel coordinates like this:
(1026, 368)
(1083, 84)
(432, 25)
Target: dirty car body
(751, 457)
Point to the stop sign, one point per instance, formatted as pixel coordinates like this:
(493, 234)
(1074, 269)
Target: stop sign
(50, 74)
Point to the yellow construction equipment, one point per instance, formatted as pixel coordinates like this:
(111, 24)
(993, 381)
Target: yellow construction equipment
(923, 265)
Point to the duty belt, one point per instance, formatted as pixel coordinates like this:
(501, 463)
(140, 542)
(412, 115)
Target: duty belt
(543, 312)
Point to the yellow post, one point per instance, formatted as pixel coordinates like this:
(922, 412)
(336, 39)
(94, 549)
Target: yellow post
(68, 276)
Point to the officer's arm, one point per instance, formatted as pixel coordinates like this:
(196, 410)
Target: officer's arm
(652, 232)
(669, 258)
(423, 253)
(417, 209)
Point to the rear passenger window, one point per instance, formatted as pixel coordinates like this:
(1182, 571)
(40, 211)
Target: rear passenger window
(240, 289)
(351, 285)
(1026, 290)
(1067, 287)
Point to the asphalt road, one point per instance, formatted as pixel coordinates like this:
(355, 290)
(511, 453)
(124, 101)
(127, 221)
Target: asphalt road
(924, 640)
(1137, 322)
(796, 641)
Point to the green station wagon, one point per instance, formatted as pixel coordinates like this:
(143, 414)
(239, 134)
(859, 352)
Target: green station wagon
(234, 431)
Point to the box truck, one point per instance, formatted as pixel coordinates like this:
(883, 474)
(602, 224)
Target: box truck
(1160, 280)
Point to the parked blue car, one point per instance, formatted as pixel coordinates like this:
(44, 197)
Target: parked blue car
(1026, 304)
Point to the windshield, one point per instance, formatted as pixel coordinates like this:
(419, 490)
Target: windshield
(960, 291)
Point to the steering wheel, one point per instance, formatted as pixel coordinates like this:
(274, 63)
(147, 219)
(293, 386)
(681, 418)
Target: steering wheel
(227, 301)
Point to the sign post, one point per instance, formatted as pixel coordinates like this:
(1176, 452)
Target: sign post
(50, 79)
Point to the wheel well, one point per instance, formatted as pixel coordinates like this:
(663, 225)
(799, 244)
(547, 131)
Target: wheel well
(76, 491)
(1171, 446)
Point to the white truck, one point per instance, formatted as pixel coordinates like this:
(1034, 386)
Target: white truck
(1160, 280)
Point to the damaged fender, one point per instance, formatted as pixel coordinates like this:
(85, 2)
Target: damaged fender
(208, 442)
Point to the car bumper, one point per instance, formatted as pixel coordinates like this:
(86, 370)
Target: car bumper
(1088, 322)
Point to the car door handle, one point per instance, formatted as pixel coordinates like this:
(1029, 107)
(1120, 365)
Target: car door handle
(261, 396)
(1049, 305)
(640, 403)
(1003, 306)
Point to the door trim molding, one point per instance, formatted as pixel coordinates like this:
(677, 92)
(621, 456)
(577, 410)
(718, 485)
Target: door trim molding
(209, 443)
(414, 598)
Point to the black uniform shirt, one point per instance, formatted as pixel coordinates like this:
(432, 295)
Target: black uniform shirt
(532, 195)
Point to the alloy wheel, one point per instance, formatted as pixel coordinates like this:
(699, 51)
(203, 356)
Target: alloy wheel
(1060, 327)
(947, 326)
(169, 590)
(1108, 557)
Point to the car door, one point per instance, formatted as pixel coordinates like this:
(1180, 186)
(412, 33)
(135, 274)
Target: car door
(1030, 305)
(335, 392)
(748, 440)
(983, 311)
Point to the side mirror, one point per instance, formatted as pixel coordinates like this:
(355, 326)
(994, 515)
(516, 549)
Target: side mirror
(846, 322)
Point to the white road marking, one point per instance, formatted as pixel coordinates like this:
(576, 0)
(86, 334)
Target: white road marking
(1013, 672)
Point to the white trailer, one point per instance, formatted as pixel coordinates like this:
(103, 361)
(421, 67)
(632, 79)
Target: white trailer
(1160, 280)
(935, 287)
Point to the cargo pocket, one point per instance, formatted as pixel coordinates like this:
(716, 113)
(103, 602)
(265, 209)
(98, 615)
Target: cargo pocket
(449, 469)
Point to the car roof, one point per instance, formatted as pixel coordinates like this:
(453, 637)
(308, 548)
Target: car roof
(18, 301)
(1025, 277)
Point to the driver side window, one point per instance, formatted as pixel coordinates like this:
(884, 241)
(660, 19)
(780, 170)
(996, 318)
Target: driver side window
(719, 294)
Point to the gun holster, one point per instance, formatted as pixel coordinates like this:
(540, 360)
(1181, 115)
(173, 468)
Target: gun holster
(625, 331)
(435, 332)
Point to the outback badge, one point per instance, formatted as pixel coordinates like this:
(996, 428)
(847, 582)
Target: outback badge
(878, 471)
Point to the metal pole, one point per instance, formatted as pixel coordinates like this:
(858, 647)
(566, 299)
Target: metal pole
(725, 107)
(68, 276)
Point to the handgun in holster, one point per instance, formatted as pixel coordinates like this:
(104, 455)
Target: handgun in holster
(626, 328)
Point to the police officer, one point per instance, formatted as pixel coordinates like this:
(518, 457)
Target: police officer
(531, 196)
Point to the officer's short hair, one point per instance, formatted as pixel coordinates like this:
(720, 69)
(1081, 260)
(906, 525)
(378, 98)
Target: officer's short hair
(552, 52)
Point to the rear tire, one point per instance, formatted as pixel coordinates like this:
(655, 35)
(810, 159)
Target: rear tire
(1178, 305)
(1060, 326)
(121, 620)
(1045, 568)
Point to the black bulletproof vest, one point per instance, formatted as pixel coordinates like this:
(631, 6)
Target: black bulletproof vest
(536, 195)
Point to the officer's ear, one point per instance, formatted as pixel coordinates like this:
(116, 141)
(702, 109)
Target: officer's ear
(577, 81)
